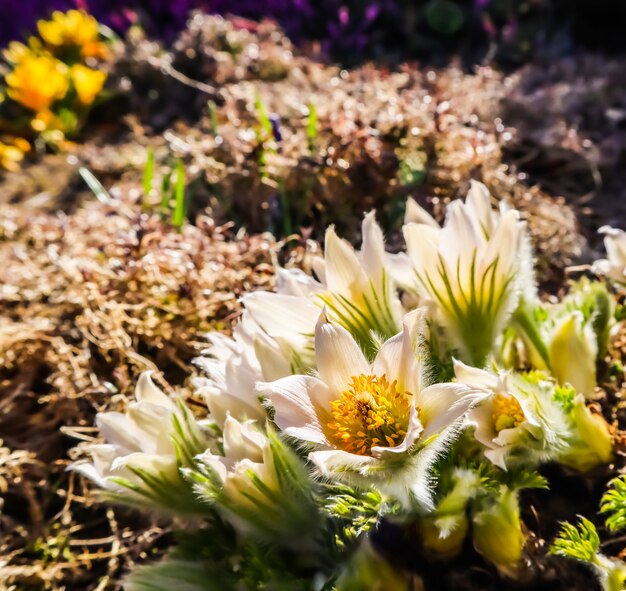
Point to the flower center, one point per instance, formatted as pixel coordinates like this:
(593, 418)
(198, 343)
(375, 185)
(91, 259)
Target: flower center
(507, 412)
(370, 412)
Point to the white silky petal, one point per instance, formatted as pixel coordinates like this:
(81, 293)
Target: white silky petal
(221, 347)
(615, 243)
(296, 282)
(497, 456)
(215, 463)
(273, 361)
(339, 357)
(221, 404)
(152, 424)
(401, 271)
(416, 214)
(118, 429)
(282, 316)
(333, 461)
(476, 378)
(460, 237)
(215, 370)
(400, 357)
(242, 440)
(444, 405)
(373, 251)
(147, 391)
(300, 403)
(344, 274)
(318, 264)
(504, 246)
(421, 244)
(165, 465)
(479, 202)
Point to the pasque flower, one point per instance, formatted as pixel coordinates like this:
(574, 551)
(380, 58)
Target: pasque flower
(354, 287)
(258, 483)
(143, 450)
(519, 422)
(369, 420)
(565, 338)
(614, 266)
(474, 269)
(233, 366)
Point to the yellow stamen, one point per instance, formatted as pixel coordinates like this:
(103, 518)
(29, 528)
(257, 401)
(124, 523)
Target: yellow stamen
(507, 412)
(370, 412)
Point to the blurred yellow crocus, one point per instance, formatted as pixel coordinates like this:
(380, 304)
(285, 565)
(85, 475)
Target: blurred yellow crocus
(12, 153)
(74, 28)
(37, 82)
(16, 52)
(87, 82)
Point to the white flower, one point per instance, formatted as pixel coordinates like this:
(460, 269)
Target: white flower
(475, 269)
(614, 267)
(260, 484)
(367, 420)
(355, 287)
(143, 445)
(519, 423)
(245, 452)
(566, 338)
(234, 365)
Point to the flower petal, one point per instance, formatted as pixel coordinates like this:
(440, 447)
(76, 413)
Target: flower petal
(288, 317)
(416, 214)
(339, 357)
(300, 404)
(333, 461)
(476, 378)
(147, 391)
(443, 405)
(373, 251)
(400, 357)
(344, 273)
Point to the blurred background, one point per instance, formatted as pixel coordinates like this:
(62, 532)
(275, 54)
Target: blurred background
(349, 31)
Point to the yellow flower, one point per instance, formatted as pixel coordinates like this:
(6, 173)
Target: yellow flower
(12, 153)
(87, 82)
(74, 28)
(37, 82)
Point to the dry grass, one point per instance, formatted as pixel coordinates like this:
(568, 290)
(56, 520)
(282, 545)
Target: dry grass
(87, 302)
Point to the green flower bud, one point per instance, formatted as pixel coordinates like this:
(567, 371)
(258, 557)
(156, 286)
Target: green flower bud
(573, 351)
(498, 533)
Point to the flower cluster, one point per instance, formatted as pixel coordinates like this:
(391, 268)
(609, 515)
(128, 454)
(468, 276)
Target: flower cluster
(53, 80)
(423, 388)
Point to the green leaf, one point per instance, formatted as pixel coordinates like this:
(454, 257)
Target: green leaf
(579, 542)
(311, 129)
(148, 176)
(614, 503)
(180, 210)
(263, 115)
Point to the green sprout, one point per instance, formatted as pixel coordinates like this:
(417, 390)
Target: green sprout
(148, 176)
